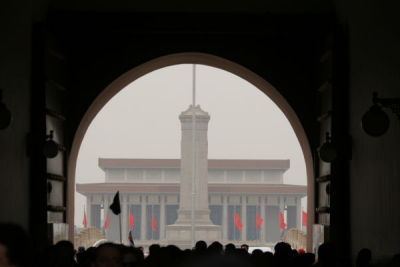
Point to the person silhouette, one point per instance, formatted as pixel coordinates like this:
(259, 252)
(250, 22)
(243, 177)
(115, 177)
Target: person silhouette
(363, 258)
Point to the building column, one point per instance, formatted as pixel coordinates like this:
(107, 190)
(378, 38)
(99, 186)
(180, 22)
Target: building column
(106, 212)
(162, 217)
(299, 214)
(124, 219)
(225, 218)
(89, 210)
(143, 226)
(262, 214)
(244, 218)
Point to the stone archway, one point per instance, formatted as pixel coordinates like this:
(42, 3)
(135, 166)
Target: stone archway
(190, 58)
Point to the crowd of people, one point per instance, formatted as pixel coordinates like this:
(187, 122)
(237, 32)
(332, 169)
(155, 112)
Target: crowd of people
(16, 250)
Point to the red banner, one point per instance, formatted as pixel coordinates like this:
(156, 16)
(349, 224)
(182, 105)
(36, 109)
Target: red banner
(304, 218)
(282, 223)
(107, 222)
(131, 221)
(259, 221)
(153, 223)
(238, 222)
(85, 224)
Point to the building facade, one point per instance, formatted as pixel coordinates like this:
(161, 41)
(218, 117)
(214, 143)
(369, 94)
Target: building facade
(246, 198)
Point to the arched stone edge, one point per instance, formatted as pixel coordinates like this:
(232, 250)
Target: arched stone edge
(190, 58)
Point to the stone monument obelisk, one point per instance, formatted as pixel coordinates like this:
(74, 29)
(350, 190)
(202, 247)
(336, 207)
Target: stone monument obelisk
(193, 183)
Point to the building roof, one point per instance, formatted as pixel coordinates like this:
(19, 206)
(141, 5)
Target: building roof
(174, 188)
(110, 163)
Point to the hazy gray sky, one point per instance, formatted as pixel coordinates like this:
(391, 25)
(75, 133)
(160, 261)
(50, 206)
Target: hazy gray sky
(142, 122)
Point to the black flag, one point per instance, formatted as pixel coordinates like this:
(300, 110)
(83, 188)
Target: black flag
(115, 206)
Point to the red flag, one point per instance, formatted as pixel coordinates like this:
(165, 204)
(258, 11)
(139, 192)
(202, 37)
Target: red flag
(238, 222)
(107, 222)
(304, 218)
(282, 223)
(153, 223)
(131, 221)
(259, 221)
(84, 219)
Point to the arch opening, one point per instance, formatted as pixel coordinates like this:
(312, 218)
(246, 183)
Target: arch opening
(190, 58)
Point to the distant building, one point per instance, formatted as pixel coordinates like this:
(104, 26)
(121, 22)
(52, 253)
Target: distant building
(234, 200)
(150, 187)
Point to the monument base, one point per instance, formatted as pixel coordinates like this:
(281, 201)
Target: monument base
(181, 234)
(201, 217)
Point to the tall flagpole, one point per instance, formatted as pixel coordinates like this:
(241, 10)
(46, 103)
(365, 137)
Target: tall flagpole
(194, 151)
